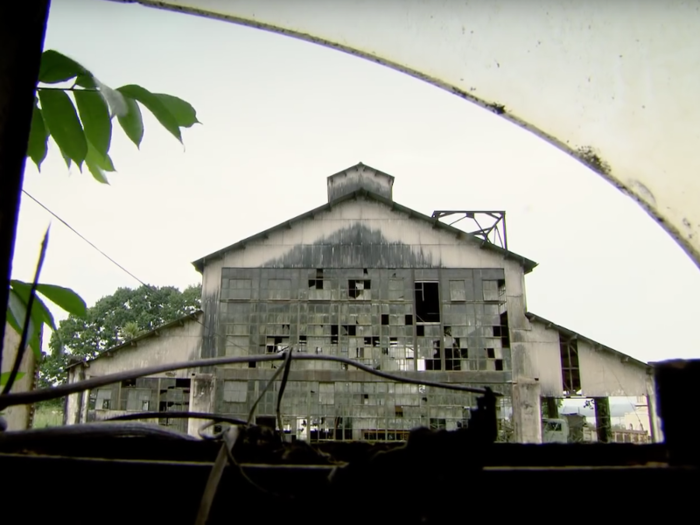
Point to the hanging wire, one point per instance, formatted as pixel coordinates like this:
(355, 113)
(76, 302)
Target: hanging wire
(267, 387)
(215, 418)
(285, 376)
(45, 394)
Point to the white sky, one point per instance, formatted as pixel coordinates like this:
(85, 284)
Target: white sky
(281, 115)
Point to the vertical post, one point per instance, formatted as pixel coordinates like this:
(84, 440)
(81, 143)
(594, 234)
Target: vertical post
(602, 419)
(657, 435)
(552, 408)
(202, 399)
(22, 30)
(676, 390)
(527, 411)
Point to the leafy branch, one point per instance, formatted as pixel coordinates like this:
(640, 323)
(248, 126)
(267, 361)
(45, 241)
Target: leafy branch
(79, 117)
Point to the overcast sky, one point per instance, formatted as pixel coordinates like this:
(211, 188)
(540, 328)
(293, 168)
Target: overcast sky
(279, 116)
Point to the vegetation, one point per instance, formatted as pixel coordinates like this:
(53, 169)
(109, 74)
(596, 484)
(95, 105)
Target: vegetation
(114, 319)
(83, 136)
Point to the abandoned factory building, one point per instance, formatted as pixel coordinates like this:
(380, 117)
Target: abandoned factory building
(365, 278)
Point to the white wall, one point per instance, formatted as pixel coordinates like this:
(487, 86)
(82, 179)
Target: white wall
(540, 358)
(17, 417)
(604, 374)
(441, 247)
(174, 344)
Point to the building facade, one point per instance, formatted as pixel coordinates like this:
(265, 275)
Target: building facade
(367, 279)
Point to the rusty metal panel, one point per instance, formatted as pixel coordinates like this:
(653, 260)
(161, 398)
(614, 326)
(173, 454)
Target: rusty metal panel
(611, 84)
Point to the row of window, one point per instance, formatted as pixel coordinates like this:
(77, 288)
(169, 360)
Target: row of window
(426, 293)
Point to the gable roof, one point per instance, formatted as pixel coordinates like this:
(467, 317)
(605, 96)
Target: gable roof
(134, 341)
(527, 264)
(570, 333)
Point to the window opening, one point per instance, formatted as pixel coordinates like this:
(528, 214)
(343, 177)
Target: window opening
(427, 299)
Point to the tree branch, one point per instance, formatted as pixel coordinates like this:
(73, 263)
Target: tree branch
(72, 88)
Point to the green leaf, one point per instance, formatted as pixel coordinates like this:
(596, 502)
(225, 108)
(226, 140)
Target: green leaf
(66, 298)
(6, 375)
(98, 164)
(16, 313)
(40, 313)
(94, 115)
(115, 100)
(131, 122)
(86, 80)
(97, 173)
(38, 138)
(64, 126)
(56, 67)
(184, 113)
(102, 161)
(155, 106)
(66, 158)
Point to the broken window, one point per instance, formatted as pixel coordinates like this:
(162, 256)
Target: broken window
(408, 320)
(334, 334)
(103, 399)
(343, 428)
(359, 289)
(434, 363)
(385, 319)
(427, 298)
(371, 341)
(454, 353)
(438, 423)
(276, 343)
(398, 411)
(571, 375)
(349, 329)
(317, 281)
(302, 343)
(502, 331)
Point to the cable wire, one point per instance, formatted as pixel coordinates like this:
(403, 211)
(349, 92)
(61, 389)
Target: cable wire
(267, 387)
(44, 394)
(285, 376)
(83, 237)
(215, 418)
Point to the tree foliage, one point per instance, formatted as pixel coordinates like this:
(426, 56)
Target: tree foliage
(114, 319)
(81, 126)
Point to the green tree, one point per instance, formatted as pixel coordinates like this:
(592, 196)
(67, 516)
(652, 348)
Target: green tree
(114, 319)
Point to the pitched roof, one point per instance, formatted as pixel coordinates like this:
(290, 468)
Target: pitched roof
(134, 341)
(527, 264)
(570, 333)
